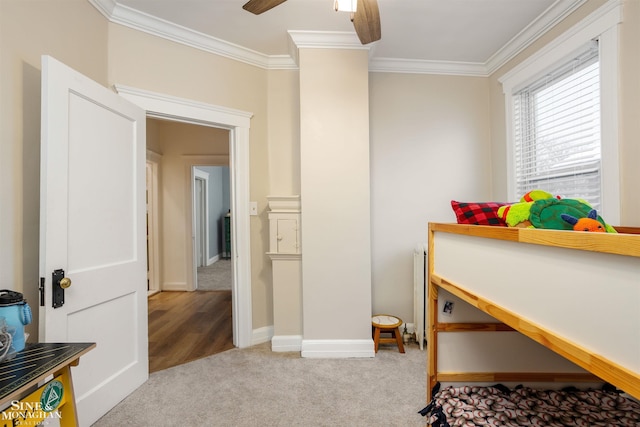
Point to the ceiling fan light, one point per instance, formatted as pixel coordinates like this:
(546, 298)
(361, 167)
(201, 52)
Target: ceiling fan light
(346, 5)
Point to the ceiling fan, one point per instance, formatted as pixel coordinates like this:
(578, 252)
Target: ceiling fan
(366, 18)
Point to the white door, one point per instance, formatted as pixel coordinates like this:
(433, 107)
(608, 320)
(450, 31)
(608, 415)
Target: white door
(93, 227)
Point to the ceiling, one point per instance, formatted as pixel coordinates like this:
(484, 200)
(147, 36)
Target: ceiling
(471, 37)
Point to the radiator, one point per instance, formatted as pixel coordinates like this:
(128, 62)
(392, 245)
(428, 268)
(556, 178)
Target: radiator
(419, 290)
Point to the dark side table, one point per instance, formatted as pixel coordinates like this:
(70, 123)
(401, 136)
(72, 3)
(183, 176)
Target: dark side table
(28, 395)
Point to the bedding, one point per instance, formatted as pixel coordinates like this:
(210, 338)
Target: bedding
(536, 209)
(478, 213)
(522, 406)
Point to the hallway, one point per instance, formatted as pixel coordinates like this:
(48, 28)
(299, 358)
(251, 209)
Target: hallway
(185, 326)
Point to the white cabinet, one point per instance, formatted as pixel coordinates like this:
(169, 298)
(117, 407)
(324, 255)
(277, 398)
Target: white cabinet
(286, 257)
(286, 236)
(284, 224)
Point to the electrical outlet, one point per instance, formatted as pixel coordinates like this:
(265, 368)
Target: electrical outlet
(447, 310)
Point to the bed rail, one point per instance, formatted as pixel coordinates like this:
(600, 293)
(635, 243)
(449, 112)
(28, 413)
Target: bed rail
(600, 368)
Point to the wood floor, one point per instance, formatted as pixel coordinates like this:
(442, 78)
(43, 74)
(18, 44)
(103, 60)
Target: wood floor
(185, 326)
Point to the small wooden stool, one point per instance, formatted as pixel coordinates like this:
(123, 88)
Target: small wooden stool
(384, 323)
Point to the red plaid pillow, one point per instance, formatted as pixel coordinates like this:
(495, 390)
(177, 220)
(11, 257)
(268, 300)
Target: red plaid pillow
(480, 213)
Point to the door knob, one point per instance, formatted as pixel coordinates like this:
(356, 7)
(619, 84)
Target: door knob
(65, 282)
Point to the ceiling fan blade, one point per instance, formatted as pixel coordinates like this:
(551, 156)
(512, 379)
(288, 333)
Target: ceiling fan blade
(366, 21)
(259, 6)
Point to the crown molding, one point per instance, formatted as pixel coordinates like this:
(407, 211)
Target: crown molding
(599, 21)
(105, 7)
(414, 66)
(323, 40)
(536, 29)
(284, 204)
(149, 24)
(326, 39)
(123, 15)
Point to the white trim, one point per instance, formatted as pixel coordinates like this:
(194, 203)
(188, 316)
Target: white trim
(326, 39)
(323, 40)
(176, 286)
(203, 176)
(241, 232)
(284, 203)
(238, 123)
(609, 96)
(410, 327)
(186, 110)
(153, 156)
(609, 15)
(283, 343)
(213, 259)
(262, 335)
(153, 166)
(192, 161)
(132, 18)
(287, 257)
(603, 25)
(509, 107)
(337, 349)
(124, 15)
(414, 66)
(549, 18)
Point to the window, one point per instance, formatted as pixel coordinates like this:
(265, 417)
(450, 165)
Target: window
(557, 130)
(561, 106)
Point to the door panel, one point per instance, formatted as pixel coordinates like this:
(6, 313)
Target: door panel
(100, 186)
(93, 226)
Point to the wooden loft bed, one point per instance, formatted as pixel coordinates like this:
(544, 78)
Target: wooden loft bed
(577, 294)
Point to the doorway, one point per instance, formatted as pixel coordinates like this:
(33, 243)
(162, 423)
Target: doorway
(238, 123)
(212, 218)
(186, 321)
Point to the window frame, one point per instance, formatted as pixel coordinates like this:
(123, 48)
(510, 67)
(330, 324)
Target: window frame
(601, 25)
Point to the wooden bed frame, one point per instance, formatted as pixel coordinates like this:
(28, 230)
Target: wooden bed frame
(577, 294)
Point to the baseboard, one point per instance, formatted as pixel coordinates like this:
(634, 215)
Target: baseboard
(213, 259)
(175, 286)
(339, 349)
(410, 327)
(262, 335)
(282, 343)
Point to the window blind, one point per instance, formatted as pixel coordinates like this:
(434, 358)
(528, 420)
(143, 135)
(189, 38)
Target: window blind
(557, 131)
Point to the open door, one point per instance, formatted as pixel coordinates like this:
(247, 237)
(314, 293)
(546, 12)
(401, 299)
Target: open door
(92, 231)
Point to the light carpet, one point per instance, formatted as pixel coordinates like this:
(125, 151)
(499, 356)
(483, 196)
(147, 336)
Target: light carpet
(257, 387)
(215, 277)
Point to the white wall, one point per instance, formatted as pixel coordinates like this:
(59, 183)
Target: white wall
(283, 103)
(430, 143)
(76, 34)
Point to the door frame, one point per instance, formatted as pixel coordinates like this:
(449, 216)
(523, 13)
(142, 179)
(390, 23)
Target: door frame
(153, 233)
(238, 122)
(200, 217)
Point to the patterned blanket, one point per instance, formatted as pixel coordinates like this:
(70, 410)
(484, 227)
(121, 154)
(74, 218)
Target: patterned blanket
(522, 406)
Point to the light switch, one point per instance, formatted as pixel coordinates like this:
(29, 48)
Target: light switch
(253, 208)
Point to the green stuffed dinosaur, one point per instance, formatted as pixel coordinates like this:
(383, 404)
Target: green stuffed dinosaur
(540, 209)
